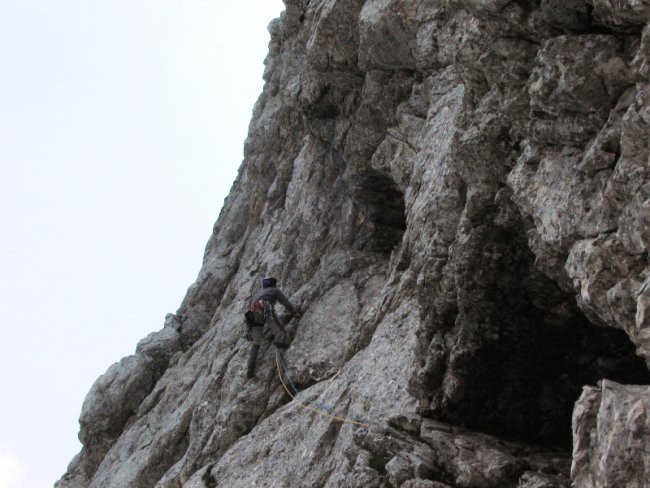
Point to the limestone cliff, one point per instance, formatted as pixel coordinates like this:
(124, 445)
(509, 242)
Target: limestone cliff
(457, 195)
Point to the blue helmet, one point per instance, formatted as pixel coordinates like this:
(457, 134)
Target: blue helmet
(269, 282)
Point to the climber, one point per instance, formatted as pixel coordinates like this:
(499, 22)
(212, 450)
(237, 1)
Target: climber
(262, 311)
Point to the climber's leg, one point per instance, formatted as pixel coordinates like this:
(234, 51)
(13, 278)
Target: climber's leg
(256, 333)
(281, 339)
(252, 358)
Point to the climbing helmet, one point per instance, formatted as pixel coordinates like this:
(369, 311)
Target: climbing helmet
(269, 282)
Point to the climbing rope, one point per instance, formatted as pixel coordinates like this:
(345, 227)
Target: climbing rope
(312, 406)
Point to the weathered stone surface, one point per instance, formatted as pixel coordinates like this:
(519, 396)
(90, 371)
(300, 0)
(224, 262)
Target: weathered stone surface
(162, 345)
(456, 195)
(611, 431)
(468, 459)
(621, 13)
(424, 484)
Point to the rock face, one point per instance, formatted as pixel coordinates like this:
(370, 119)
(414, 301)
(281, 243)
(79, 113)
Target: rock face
(457, 195)
(611, 429)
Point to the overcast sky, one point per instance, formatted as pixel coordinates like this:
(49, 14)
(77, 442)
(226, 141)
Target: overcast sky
(121, 130)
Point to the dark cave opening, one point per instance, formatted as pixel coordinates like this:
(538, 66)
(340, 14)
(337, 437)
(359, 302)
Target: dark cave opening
(525, 349)
(380, 217)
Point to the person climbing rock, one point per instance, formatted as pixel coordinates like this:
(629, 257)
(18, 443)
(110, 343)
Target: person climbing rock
(262, 311)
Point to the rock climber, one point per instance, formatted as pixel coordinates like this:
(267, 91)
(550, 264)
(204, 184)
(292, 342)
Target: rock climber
(262, 311)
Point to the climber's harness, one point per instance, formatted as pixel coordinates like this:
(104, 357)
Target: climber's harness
(261, 310)
(258, 315)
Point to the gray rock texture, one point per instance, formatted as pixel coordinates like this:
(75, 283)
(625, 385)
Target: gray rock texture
(456, 193)
(611, 429)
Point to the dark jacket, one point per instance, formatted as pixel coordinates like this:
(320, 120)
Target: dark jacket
(273, 295)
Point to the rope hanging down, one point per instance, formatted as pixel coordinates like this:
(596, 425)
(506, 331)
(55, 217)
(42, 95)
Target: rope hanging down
(313, 406)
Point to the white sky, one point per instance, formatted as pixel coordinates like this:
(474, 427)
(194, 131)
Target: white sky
(121, 130)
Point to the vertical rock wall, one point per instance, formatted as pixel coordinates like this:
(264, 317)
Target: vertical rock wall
(456, 194)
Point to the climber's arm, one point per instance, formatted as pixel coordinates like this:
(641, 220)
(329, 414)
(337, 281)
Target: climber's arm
(286, 303)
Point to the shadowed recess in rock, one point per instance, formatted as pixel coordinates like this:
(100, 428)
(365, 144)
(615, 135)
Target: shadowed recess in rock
(382, 221)
(524, 350)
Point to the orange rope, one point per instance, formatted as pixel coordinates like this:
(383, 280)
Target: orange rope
(307, 406)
